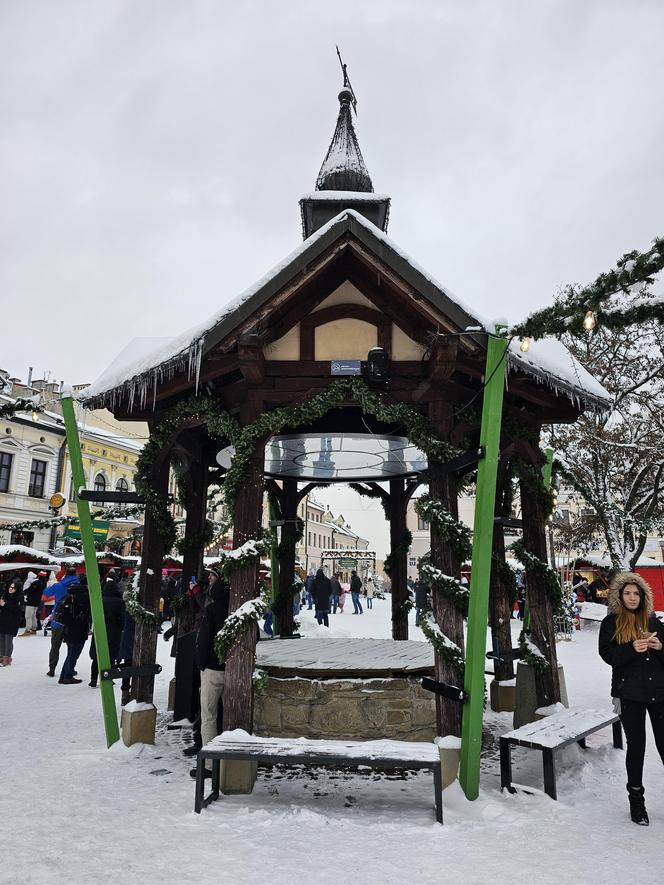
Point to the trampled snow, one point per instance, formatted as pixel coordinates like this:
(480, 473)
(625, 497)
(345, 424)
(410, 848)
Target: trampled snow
(76, 812)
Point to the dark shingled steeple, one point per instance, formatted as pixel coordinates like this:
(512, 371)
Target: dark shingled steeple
(343, 181)
(343, 168)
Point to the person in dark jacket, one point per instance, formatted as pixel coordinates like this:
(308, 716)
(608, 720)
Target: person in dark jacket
(114, 611)
(336, 592)
(74, 613)
(321, 591)
(212, 669)
(308, 586)
(11, 610)
(631, 640)
(355, 587)
(32, 593)
(126, 654)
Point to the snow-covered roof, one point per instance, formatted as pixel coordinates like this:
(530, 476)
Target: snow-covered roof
(18, 550)
(605, 561)
(146, 362)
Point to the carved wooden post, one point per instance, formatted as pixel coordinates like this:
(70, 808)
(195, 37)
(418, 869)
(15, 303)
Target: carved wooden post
(289, 501)
(145, 641)
(196, 477)
(244, 587)
(500, 605)
(399, 558)
(539, 601)
(443, 488)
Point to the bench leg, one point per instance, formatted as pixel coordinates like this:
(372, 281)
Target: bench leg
(582, 743)
(617, 735)
(216, 777)
(200, 767)
(549, 772)
(438, 792)
(506, 766)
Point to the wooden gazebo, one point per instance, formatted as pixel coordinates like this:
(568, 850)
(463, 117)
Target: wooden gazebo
(344, 291)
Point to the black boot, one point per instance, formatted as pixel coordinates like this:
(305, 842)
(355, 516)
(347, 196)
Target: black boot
(637, 806)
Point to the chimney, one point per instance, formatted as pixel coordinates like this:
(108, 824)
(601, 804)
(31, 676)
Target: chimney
(29, 376)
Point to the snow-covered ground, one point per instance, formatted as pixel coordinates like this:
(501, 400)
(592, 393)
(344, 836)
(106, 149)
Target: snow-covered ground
(75, 812)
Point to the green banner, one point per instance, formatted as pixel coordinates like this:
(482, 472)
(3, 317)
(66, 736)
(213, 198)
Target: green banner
(345, 562)
(99, 528)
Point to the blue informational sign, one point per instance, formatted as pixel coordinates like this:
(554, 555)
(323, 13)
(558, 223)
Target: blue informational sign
(346, 367)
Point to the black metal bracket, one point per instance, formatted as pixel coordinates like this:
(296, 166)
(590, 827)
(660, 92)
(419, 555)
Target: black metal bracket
(455, 465)
(120, 672)
(508, 523)
(447, 691)
(110, 497)
(513, 655)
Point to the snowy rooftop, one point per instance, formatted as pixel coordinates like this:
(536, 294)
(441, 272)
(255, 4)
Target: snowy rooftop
(146, 362)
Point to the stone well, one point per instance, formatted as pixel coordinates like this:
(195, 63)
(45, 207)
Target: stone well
(345, 690)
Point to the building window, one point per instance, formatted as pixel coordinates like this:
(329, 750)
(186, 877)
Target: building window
(122, 485)
(100, 483)
(422, 525)
(37, 479)
(5, 470)
(22, 538)
(309, 538)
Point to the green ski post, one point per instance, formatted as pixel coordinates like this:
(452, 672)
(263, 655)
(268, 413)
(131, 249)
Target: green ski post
(478, 608)
(92, 571)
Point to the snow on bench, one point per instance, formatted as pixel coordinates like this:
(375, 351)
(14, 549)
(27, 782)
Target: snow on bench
(552, 733)
(380, 754)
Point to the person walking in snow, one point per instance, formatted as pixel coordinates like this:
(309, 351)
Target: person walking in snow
(11, 605)
(336, 592)
(355, 587)
(631, 641)
(321, 592)
(31, 598)
(58, 590)
(369, 590)
(73, 613)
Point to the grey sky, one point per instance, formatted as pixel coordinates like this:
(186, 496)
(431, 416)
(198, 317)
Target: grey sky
(152, 153)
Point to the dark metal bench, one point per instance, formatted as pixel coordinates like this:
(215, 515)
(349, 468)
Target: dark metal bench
(551, 734)
(382, 755)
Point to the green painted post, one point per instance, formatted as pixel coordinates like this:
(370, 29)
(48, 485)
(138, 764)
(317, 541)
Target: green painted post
(92, 571)
(478, 609)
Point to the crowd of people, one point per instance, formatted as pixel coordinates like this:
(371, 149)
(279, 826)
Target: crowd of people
(328, 595)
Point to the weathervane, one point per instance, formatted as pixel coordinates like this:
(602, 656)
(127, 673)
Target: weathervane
(347, 82)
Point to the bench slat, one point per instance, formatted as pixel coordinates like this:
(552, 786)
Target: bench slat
(562, 728)
(401, 752)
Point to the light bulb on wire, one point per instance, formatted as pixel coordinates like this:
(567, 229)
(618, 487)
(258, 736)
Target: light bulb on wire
(589, 321)
(524, 347)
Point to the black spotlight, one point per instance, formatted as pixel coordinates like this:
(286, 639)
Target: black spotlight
(377, 366)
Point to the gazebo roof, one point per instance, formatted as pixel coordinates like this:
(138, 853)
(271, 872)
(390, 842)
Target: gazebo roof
(146, 363)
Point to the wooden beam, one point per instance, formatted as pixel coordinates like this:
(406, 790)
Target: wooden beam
(250, 358)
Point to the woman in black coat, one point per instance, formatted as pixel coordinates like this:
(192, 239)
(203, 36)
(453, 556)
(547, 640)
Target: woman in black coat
(321, 591)
(631, 640)
(114, 612)
(11, 609)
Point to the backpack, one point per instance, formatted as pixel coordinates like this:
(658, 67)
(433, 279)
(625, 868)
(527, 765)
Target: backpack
(63, 611)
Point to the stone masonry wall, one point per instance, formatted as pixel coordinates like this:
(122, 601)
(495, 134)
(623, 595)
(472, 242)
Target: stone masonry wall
(345, 709)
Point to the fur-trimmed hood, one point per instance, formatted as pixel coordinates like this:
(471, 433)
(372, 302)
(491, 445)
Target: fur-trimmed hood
(617, 584)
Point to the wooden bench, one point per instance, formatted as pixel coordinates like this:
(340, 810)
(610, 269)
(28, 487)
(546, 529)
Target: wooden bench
(382, 755)
(551, 734)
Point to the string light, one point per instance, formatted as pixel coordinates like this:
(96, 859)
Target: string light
(589, 321)
(524, 347)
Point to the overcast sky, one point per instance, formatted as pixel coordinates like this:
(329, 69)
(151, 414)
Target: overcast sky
(152, 152)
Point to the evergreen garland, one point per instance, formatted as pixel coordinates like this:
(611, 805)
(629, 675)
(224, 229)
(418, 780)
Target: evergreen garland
(239, 621)
(403, 547)
(457, 535)
(22, 404)
(367, 492)
(448, 650)
(442, 583)
(530, 653)
(136, 611)
(543, 571)
(567, 313)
